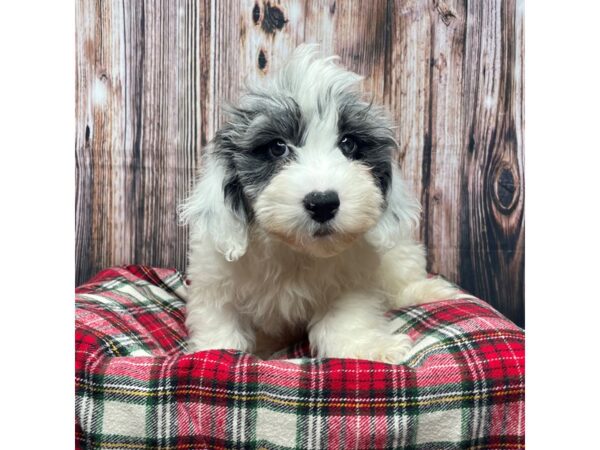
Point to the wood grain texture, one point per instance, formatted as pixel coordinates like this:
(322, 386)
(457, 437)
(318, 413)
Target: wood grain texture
(152, 77)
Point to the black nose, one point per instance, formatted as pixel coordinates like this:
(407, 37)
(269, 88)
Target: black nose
(322, 206)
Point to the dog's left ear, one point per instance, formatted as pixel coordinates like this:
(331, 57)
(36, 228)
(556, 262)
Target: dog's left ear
(214, 209)
(400, 218)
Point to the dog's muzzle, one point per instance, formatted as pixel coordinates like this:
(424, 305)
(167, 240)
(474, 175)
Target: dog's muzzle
(322, 206)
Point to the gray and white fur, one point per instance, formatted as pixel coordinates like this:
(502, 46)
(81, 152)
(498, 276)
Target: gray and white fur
(300, 222)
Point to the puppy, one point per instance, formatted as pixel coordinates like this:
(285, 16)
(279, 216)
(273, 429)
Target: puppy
(300, 222)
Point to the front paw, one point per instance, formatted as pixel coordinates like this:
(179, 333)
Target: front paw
(429, 290)
(240, 343)
(383, 347)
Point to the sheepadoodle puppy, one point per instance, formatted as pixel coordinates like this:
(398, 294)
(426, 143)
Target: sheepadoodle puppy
(300, 222)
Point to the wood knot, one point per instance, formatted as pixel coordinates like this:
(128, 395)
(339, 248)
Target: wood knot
(262, 60)
(505, 189)
(256, 14)
(447, 14)
(440, 63)
(273, 19)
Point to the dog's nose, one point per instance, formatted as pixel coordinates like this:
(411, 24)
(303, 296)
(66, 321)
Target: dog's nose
(322, 206)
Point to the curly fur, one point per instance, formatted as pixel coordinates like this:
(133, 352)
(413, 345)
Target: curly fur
(262, 271)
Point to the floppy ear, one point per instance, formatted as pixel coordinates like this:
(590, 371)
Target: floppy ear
(209, 213)
(400, 218)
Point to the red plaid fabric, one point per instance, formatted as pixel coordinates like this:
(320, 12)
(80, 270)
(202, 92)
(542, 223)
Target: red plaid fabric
(461, 387)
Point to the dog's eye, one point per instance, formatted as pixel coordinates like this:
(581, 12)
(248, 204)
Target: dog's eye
(348, 145)
(278, 149)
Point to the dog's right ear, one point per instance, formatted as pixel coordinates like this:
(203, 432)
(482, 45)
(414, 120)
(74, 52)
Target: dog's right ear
(209, 213)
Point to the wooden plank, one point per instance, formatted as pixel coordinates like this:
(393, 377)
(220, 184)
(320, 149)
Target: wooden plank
(100, 113)
(271, 32)
(362, 40)
(140, 87)
(408, 91)
(442, 154)
(492, 198)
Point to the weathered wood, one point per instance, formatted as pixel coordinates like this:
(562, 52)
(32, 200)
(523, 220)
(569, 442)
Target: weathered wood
(142, 76)
(492, 197)
(152, 77)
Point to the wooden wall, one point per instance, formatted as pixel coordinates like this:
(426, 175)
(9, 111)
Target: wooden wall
(152, 76)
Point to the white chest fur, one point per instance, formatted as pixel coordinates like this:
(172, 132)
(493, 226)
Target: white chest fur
(277, 288)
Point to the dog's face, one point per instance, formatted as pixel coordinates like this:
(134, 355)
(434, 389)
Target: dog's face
(308, 161)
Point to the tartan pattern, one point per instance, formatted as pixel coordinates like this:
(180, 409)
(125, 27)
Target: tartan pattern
(461, 387)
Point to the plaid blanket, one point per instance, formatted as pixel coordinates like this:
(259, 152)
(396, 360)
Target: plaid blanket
(462, 386)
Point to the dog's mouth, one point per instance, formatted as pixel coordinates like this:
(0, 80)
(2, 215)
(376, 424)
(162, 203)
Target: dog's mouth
(323, 242)
(323, 231)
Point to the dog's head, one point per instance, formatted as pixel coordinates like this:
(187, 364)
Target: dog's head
(307, 160)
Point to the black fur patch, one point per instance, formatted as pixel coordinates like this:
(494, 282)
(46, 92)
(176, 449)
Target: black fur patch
(369, 126)
(241, 144)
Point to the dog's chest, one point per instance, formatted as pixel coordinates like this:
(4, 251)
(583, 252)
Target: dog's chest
(282, 291)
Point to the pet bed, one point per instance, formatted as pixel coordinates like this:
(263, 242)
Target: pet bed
(462, 385)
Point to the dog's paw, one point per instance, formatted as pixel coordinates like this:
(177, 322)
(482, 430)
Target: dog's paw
(233, 343)
(391, 349)
(382, 347)
(429, 290)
